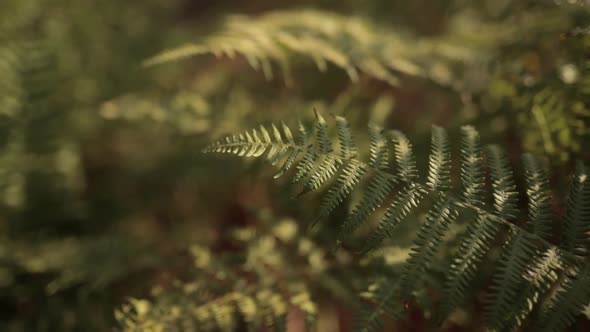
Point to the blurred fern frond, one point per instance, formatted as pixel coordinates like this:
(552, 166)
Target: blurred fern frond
(353, 44)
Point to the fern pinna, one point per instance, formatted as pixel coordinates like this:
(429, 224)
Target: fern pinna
(530, 265)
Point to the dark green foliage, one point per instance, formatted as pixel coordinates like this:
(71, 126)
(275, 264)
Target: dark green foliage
(529, 263)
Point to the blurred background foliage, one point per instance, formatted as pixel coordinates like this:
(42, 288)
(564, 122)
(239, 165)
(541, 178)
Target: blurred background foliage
(102, 186)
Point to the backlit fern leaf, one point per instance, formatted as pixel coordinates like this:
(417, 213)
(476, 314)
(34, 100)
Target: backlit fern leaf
(439, 169)
(538, 197)
(505, 195)
(529, 263)
(474, 246)
(471, 167)
(406, 200)
(577, 219)
(429, 240)
(569, 301)
(507, 280)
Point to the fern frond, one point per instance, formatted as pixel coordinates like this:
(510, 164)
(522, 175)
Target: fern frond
(404, 157)
(474, 246)
(407, 200)
(541, 274)
(471, 167)
(539, 196)
(349, 178)
(577, 219)
(428, 242)
(507, 282)
(505, 195)
(439, 169)
(380, 186)
(529, 264)
(568, 303)
(378, 148)
(347, 147)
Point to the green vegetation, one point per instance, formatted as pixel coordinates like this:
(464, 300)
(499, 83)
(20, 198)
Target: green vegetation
(430, 165)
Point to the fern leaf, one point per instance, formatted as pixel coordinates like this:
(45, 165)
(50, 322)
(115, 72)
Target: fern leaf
(577, 220)
(568, 303)
(347, 180)
(474, 246)
(539, 196)
(406, 163)
(347, 148)
(326, 169)
(472, 175)
(294, 154)
(439, 169)
(379, 154)
(407, 200)
(321, 132)
(507, 282)
(538, 278)
(505, 195)
(429, 239)
(380, 186)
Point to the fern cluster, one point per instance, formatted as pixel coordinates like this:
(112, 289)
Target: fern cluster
(529, 264)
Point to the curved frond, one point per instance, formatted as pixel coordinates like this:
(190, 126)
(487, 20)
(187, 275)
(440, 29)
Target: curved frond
(404, 157)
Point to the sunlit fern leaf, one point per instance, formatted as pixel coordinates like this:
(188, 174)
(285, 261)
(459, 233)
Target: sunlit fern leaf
(428, 241)
(505, 195)
(538, 197)
(300, 141)
(463, 270)
(577, 220)
(321, 133)
(347, 147)
(378, 148)
(472, 175)
(406, 200)
(539, 276)
(349, 178)
(439, 167)
(568, 303)
(508, 280)
(404, 157)
(380, 186)
(325, 170)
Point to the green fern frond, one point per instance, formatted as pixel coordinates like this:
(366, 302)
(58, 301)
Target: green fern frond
(404, 157)
(538, 196)
(577, 219)
(349, 178)
(406, 200)
(471, 167)
(379, 150)
(529, 263)
(380, 186)
(474, 246)
(569, 301)
(507, 281)
(538, 278)
(505, 195)
(428, 242)
(439, 169)
(348, 149)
